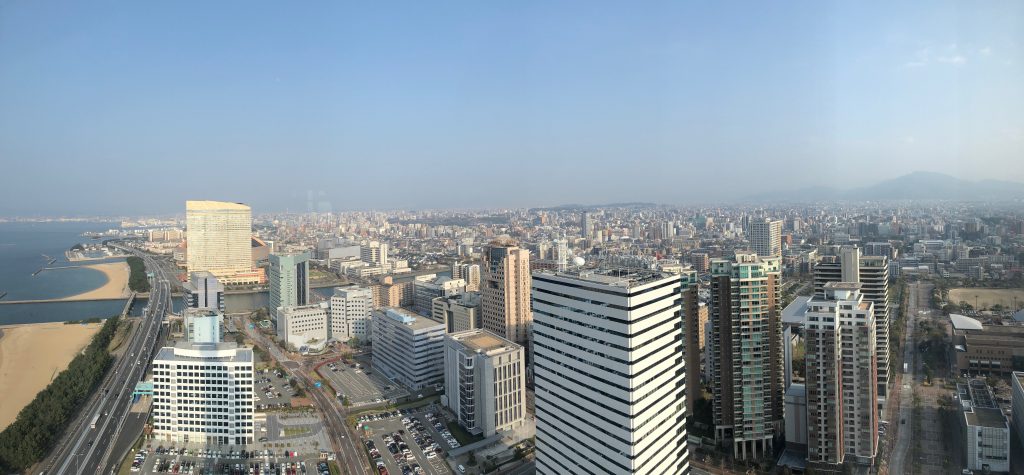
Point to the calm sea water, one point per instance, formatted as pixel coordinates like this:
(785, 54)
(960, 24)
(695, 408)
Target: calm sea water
(22, 250)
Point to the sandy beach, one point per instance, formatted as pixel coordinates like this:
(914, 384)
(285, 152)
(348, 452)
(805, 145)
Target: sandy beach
(116, 286)
(31, 356)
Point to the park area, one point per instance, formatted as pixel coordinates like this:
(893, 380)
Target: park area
(982, 298)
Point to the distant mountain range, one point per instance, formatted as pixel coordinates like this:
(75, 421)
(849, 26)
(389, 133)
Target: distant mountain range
(913, 186)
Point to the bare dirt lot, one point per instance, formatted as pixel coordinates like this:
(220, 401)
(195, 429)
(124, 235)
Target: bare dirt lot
(986, 298)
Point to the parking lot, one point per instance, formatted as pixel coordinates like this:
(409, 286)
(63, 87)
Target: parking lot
(361, 388)
(272, 390)
(210, 462)
(405, 442)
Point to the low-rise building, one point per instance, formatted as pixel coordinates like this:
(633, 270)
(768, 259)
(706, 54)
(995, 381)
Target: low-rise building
(485, 381)
(203, 393)
(408, 348)
(987, 349)
(986, 432)
(304, 327)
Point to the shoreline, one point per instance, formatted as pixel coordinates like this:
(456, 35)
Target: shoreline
(31, 355)
(116, 286)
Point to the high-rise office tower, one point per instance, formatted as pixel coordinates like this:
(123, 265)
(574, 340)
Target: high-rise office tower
(872, 272)
(693, 337)
(203, 290)
(610, 381)
(203, 394)
(289, 280)
(350, 313)
(766, 237)
(202, 325)
(747, 363)
(587, 225)
(485, 380)
(842, 379)
(219, 237)
(505, 291)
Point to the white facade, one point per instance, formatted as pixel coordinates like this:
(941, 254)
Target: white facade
(1017, 407)
(424, 293)
(459, 312)
(203, 290)
(203, 393)
(374, 253)
(609, 373)
(203, 325)
(350, 313)
(485, 381)
(766, 237)
(219, 236)
(304, 326)
(986, 431)
(408, 348)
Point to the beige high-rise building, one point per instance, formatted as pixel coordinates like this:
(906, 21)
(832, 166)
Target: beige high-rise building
(505, 291)
(219, 236)
(766, 237)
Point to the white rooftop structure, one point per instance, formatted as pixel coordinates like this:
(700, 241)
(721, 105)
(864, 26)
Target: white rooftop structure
(961, 322)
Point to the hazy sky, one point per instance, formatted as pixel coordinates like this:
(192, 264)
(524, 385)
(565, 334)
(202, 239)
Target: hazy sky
(135, 106)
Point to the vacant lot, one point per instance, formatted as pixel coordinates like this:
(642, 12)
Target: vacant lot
(986, 298)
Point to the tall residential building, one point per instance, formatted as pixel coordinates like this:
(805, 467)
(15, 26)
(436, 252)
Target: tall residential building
(408, 348)
(841, 379)
(203, 290)
(202, 325)
(610, 382)
(219, 240)
(203, 394)
(587, 225)
(505, 291)
(459, 312)
(485, 381)
(468, 272)
(350, 313)
(304, 327)
(374, 253)
(693, 337)
(766, 237)
(872, 272)
(289, 280)
(747, 363)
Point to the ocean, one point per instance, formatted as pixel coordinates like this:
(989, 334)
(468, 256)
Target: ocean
(23, 251)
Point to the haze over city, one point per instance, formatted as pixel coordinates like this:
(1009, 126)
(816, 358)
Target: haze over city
(416, 105)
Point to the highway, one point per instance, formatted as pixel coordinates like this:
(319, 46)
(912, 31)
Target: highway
(87, 450)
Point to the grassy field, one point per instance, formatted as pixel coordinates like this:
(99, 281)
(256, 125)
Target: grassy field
(986, 298)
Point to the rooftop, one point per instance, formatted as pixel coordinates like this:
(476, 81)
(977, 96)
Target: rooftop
(409, 318)
(794, 312)
(483, 341)
(986, 417)
(216, 352)
(961, 322)
(215, 206)
(617, 277)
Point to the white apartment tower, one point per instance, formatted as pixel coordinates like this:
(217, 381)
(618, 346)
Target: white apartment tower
(609, 372)
(203, 393)
(219, 236)
(766, 237)
(872, 272)
(485, 381)
(374, 253)
(350, 313)
(842, 378)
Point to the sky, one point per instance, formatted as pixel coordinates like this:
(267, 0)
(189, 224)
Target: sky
(133, 107)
